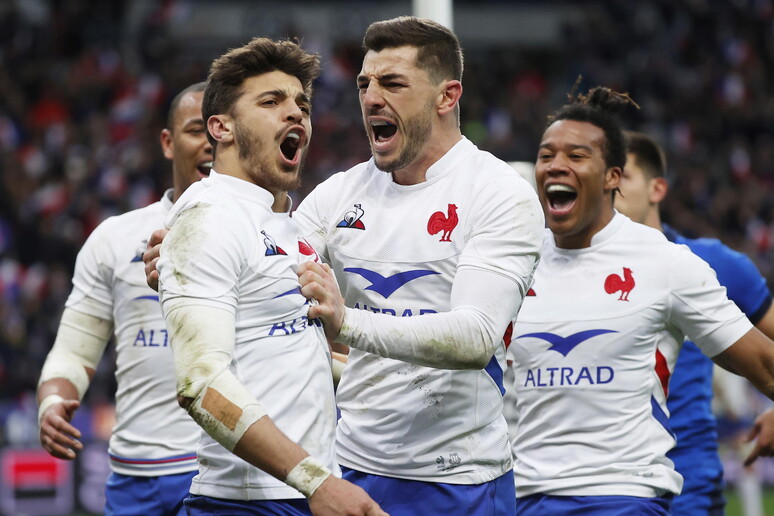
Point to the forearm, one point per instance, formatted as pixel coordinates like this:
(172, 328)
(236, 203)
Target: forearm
(451, 340)
(72, 361)
(69, 367)
(766, 323)
(202, 339)
(266, 447)
(765, 384)
(464, 338)
(752, 356)
(202, 342)
(57, 387)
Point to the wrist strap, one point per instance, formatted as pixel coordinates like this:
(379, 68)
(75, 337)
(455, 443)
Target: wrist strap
(46, 402)
(307, 476)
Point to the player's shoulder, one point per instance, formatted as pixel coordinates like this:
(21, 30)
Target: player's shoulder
(338, 188)
(354, 176)
(682, 262)
(466, 154)
(653, 247)
(485, 171)
(641, 234)
(123, 237)
(194, 194)
(676, 255)
(119, 227)
(209, 199)
(491, 164)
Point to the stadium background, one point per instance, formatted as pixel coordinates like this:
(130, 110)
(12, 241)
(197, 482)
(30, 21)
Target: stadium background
(85, 85)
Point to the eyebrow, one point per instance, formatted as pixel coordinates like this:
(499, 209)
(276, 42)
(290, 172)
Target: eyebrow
(303, 97)
(271, 93)
(382, 78)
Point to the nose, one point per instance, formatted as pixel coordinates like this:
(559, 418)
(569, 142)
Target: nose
(557, 164)
(553, 167)
(294, 113)
(371, 96)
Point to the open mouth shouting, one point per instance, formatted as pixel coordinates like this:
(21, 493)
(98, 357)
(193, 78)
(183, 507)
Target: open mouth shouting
(382, 133)
(292, 146)
(560, 199)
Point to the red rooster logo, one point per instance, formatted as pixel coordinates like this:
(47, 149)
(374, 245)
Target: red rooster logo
(443, 223)
(614, 283)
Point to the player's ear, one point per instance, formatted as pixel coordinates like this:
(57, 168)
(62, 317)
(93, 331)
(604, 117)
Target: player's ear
(658, 190)
(166, 143)
(221, 127)
(449, 97)
(613, 178)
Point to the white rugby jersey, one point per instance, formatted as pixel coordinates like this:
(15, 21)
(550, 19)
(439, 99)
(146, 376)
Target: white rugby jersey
(153, 435)
(395, 249)
(594, 345)
(245, 260)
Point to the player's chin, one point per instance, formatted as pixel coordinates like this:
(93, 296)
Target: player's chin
(290, 180)
(386, 163)
(559, 226)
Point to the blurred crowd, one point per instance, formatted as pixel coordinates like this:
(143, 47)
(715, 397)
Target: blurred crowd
(82, 104)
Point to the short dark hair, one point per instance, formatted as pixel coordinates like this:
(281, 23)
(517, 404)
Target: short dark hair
(599, 107)
(259, 56)
(648, 154)
(438, 48)
(172, 113)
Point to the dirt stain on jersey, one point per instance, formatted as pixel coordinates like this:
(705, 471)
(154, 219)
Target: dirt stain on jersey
(184, 239)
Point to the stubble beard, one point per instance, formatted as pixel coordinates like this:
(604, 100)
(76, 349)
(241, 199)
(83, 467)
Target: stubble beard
(261, 167)
(416, 134)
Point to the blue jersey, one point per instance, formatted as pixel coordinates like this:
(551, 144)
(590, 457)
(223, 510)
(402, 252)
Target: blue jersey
(690, 388)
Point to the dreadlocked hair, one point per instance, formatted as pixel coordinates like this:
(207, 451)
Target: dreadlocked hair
(599, 107)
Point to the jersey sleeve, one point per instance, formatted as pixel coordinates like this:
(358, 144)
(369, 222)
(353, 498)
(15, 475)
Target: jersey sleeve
(700, 306)
(92, 292)
(202, 258)
(507, 231)
(482, 305)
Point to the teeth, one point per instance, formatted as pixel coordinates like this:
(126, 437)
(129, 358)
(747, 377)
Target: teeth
(294, 135)
(379, 123)
(207, 164)
(559, 188)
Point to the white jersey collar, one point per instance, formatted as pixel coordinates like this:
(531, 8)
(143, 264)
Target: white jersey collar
(439, 168)
(609, 231)
(603, 236)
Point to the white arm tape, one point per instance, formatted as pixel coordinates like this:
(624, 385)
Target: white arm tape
(307, 476)
(51, 399)
(202, 340)
(80, 342)
(482, 305)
